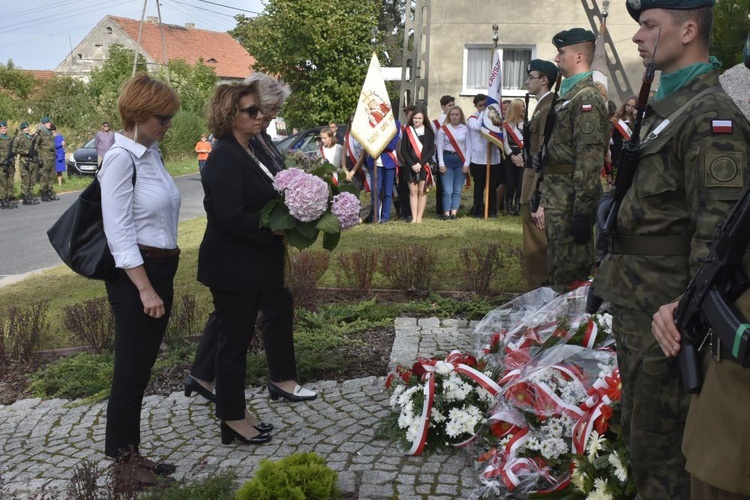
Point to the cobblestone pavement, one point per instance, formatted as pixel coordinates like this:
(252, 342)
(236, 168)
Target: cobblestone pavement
(41, 442)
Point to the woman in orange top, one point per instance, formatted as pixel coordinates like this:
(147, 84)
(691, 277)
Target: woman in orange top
(202, 147)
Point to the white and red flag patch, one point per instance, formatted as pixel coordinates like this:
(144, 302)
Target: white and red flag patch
(586, 107)
(721, 126)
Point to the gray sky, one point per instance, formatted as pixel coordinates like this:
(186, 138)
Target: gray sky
(39, 34)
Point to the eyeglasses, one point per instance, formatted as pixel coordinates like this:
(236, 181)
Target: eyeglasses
(533, 77)
(164, 119)
(251, 111)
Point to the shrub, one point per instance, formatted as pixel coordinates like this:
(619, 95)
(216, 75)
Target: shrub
(187, 128)
(409, 268)
(83, 485)
(21, 330)
(479, 266)
(302, 476)
(92, 323)
(304, 271)
(356, 269)
(183, 321)
(82, 375)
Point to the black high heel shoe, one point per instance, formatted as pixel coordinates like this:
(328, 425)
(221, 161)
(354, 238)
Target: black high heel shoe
(228, 435)
(299, 394)
(263, 427)
(192, 385)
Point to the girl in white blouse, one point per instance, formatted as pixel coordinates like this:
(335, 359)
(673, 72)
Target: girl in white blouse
(454, 156)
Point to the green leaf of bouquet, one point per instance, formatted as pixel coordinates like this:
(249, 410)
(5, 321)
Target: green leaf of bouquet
(328, 223)
(279, 218)
(307, 230)
(330, 241)
(265, 212)
(299, 240)
(349, 188)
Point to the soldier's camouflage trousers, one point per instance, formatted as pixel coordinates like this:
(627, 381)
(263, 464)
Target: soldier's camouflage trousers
(47, 172)
(6, 181)
(567, 261)
(654, 409)
(28, 176)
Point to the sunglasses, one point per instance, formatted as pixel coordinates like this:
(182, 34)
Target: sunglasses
(251, 111)
(164, 119)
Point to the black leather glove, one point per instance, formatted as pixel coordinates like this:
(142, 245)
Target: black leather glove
(581, 228)
(536, 163)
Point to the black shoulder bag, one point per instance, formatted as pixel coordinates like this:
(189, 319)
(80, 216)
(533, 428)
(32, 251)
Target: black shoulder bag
(78, 235)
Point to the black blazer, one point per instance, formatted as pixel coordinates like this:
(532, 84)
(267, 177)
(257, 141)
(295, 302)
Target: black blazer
(428, 148)
(236, 254)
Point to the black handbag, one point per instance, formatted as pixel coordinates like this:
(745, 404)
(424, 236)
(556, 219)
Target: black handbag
(78, 235)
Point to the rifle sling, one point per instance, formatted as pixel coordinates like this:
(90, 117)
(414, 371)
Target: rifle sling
(651, 245)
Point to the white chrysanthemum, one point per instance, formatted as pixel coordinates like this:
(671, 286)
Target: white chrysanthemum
(462, 420)
(436, 416)
(443, 368)
(577, 477)
(600, 491)
(406, 397)
(552, 448)
(455, 389)
(621, 470)
(412, 433)
(595, 444)
(573, 393)
(484, 394)
(396, 393)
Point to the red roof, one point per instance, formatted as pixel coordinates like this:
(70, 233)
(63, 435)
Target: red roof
(41, 74)
(218, 50)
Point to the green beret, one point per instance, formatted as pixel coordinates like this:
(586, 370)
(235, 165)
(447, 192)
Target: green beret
(572, 37)
(635, 7)
(45, 119)
(3, 123)
(24, 125)
(542, 67)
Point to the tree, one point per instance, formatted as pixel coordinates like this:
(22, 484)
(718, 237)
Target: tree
(194, 84)
(15, 81)
(320, 49)
(391, 29)
(105, 82)
(731, 27)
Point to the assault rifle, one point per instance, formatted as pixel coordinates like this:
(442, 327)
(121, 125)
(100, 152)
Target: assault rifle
(10, 156)
(707, 302)
(626, 167)
(526, 133)
(540, 159)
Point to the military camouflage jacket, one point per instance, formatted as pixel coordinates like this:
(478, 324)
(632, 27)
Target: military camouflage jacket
(22, 144)
(579, 138)
(688, 178)
(5, 142)
(45, 142)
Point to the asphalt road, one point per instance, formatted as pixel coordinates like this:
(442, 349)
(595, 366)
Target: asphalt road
(24, 246)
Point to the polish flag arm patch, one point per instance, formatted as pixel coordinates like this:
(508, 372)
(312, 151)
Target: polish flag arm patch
(721, 126)
(586, 107)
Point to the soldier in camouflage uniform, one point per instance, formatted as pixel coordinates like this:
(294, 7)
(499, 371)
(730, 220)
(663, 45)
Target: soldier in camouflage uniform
(693, 167)
(23, 146)
(571, 187)
(7, 167)
(45, 149)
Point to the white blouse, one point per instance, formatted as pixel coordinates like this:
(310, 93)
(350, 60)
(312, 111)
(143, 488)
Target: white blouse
(333, 154)
(461, 135)
(146, 213)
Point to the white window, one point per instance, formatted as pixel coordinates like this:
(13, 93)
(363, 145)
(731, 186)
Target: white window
(477, 63)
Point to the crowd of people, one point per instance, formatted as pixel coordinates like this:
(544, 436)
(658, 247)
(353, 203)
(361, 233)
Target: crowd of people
(693, 165)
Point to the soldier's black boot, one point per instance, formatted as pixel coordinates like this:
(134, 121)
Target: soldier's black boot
(28, 200)
(45, 195)
(4, 204)
(10, 203)
(52, 196)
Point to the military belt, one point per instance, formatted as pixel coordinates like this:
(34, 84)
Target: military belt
(560, 169)
(651, 245)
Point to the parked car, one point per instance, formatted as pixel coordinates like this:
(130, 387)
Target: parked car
(305, 141)
(83, 161)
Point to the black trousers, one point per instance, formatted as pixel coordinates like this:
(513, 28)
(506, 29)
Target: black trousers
(404, 210)
(513, 181)
(137, 341)
(479, 176)
(222, 352)
(438, 190)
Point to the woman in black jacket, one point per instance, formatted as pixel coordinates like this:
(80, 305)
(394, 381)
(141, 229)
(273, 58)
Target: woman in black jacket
(417, 150)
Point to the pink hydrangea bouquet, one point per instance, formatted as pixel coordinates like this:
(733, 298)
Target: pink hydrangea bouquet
(308, 204)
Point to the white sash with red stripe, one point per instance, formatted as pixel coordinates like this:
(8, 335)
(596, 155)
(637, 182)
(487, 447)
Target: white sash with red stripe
(514, 135)
(458, 150)
(623, 128)
(417, 146)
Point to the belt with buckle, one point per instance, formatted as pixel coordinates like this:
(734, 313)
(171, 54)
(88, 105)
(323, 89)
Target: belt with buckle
(158, 253)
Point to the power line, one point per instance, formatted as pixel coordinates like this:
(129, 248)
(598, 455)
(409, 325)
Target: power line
(230, 7)
(56, 18)
(202, 9)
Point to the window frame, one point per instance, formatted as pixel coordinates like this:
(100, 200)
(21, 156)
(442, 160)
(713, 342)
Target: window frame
(470, 92)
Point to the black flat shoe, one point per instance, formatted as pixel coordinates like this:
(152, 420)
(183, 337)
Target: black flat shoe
(192, 385)
(263, 427)
(228, 435)
(299, 394)
(159, 468)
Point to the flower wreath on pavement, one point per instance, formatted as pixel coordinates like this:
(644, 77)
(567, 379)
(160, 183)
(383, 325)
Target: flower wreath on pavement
(552, 425)
(311, 202)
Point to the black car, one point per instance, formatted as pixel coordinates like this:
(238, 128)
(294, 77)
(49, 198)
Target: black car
(83, 161)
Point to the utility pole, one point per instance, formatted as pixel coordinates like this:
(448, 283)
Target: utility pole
(140, 34)
(416, 62)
